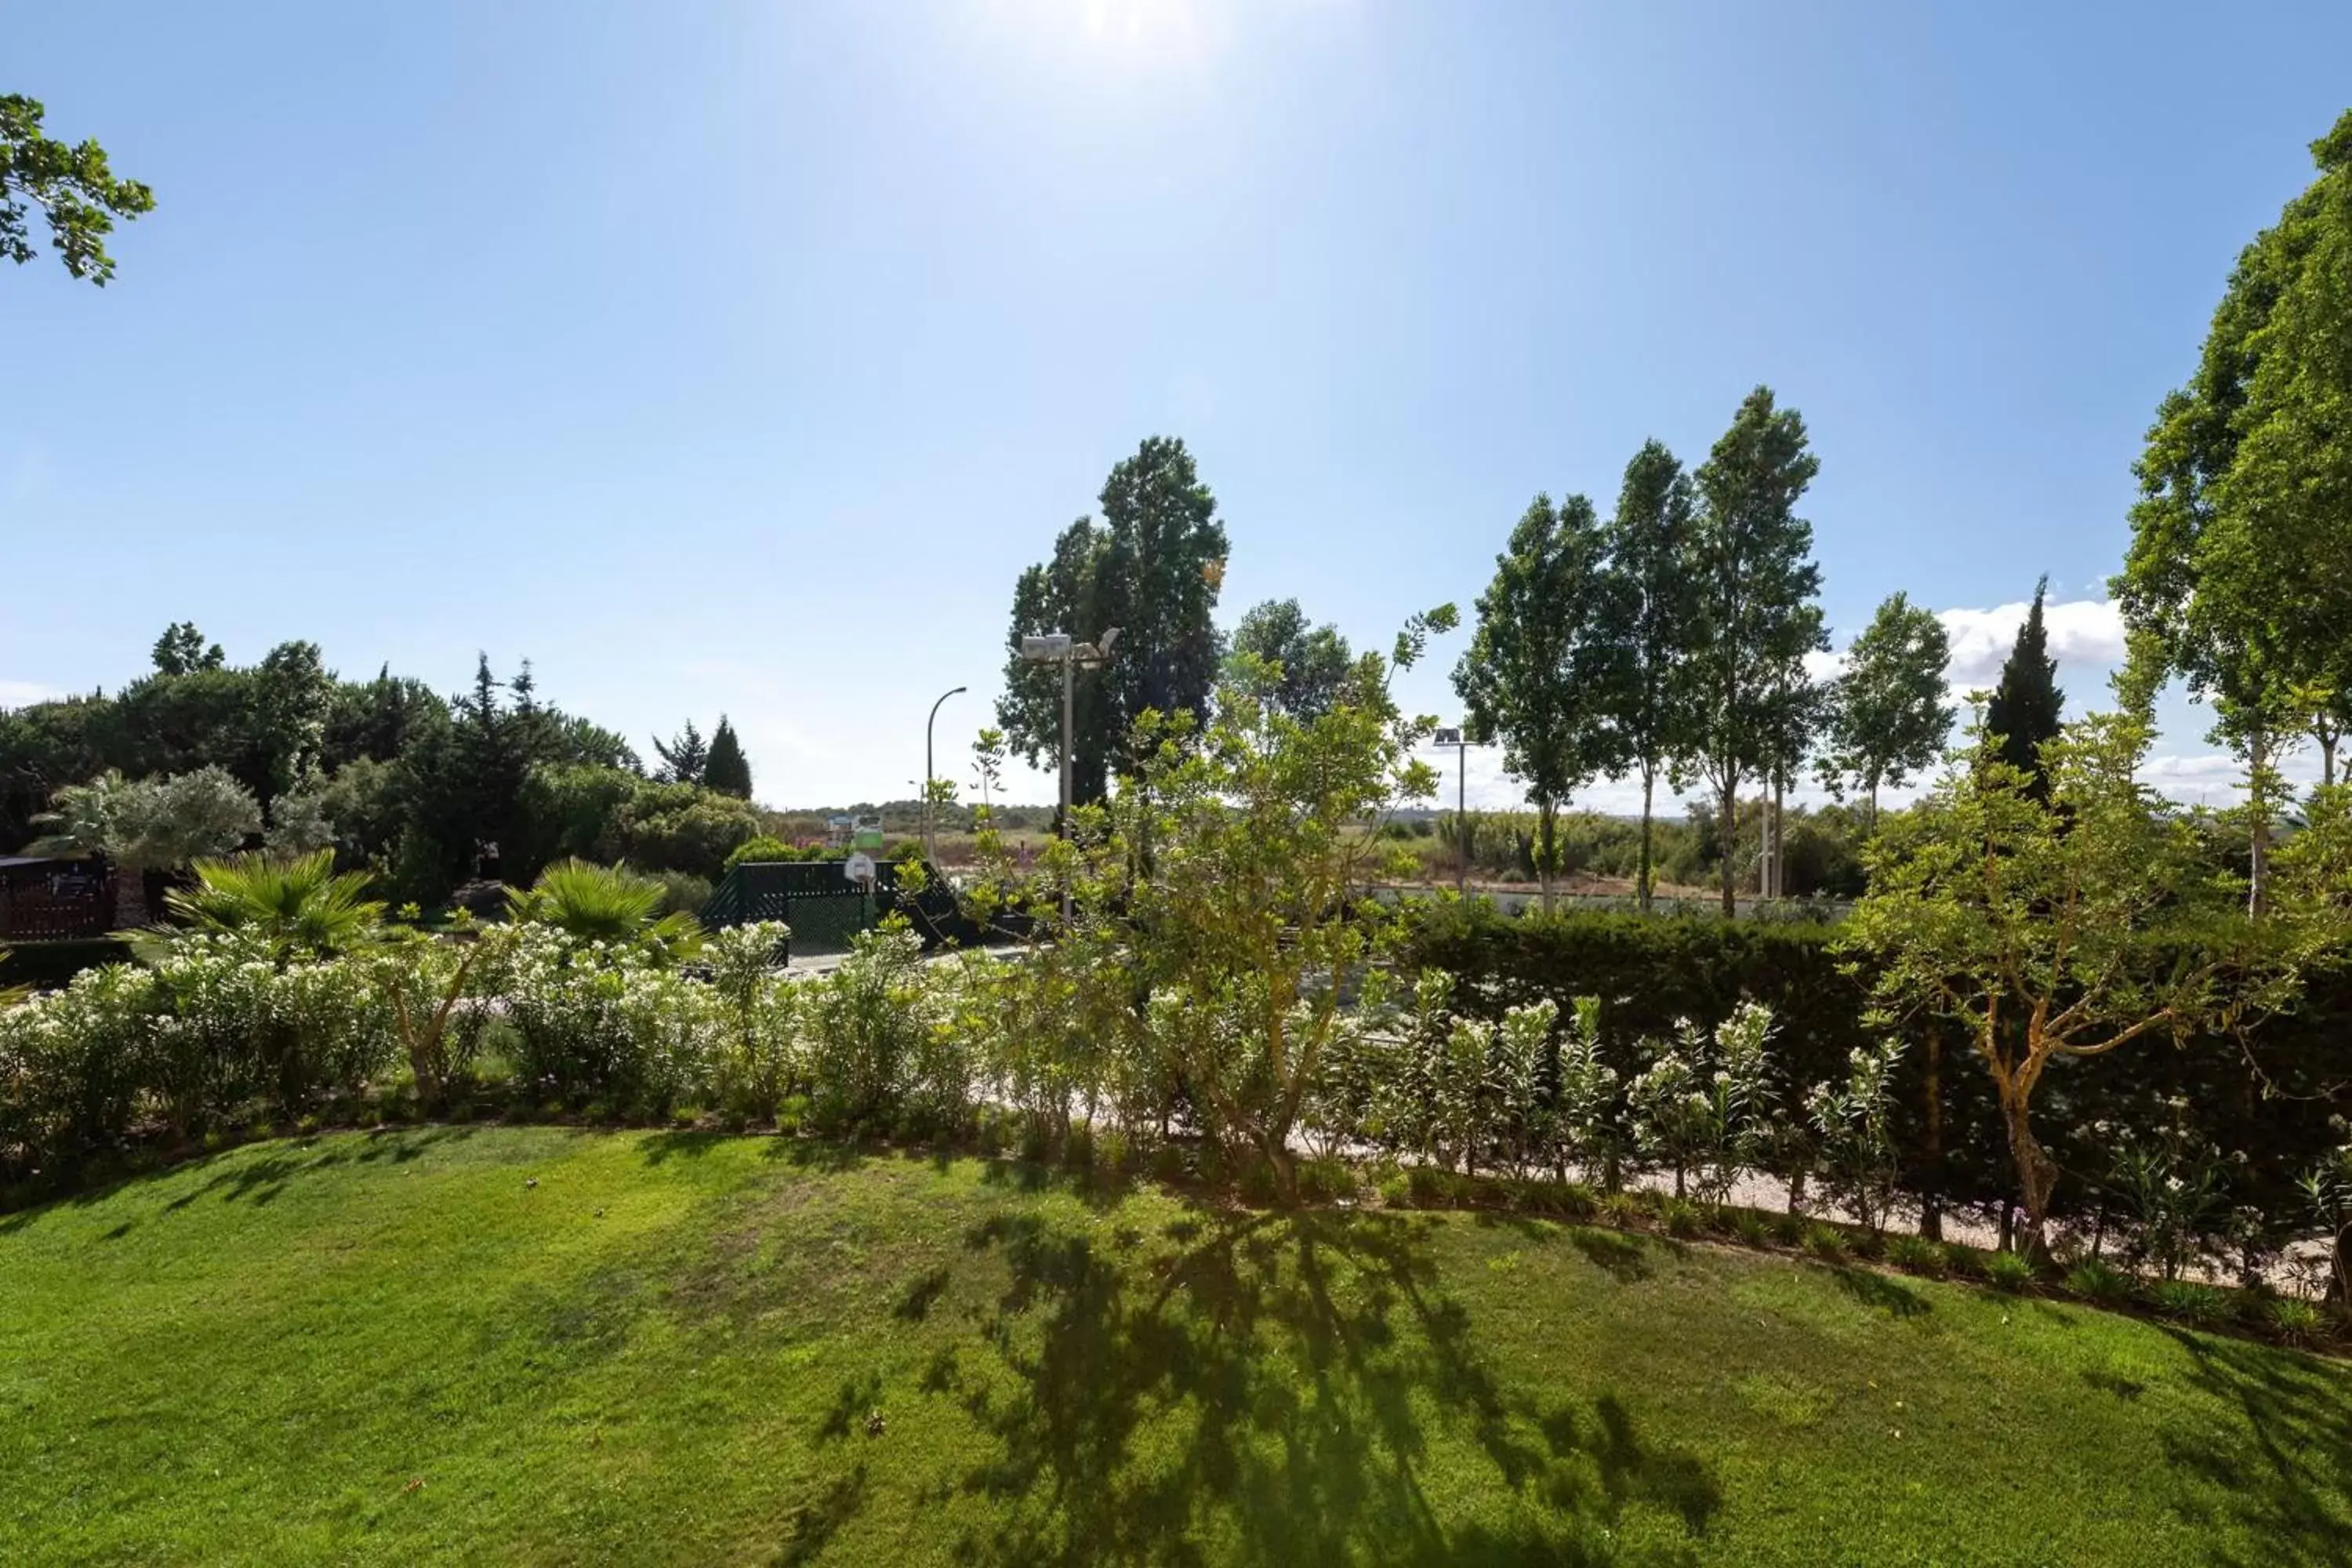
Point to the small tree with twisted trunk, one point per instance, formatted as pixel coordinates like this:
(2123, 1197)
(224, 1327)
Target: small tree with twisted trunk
(2049, 929)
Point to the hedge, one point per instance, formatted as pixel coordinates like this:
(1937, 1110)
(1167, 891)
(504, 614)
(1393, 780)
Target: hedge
(1650, 971)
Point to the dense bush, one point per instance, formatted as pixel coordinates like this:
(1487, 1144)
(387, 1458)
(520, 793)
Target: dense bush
(2269, 1096)
(1447, 1080)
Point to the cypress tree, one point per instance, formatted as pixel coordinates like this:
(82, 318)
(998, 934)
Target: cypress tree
(726, 769)
(2025, 712)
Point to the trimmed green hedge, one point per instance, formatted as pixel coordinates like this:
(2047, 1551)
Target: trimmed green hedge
(1650, 972)
(51, 965)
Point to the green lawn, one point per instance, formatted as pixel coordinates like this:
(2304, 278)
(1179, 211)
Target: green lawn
(397, 1347)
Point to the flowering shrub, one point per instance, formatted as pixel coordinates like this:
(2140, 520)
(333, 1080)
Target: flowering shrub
(597, 1021)
(882, 1051)
(1705, 1112)
(2175, 1186)
(72, 1065)
(1587, 1121)
(756, 1015)
(1856, 1120)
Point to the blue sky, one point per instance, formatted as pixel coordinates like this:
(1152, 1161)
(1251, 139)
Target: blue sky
(738, 356)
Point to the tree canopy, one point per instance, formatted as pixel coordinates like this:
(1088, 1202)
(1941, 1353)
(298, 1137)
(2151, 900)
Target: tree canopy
(727, 769)
(1653, 611)
(2025, 712)
(77, 195)
(1152, 567)
(397, 779)
(1888, 717)
(1314, 661)
(1757, 618)
(1544, 668)
(2239, 577)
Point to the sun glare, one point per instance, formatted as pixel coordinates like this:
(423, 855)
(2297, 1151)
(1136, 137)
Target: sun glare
(1166, 31)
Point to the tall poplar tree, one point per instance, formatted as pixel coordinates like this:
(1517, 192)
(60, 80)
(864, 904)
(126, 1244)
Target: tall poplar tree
(1757, 619)
(1653, 606)
(1542, 664)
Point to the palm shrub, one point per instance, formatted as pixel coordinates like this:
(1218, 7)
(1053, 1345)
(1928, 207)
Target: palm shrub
(607, 904)
(297, 906)
(1856, 1120)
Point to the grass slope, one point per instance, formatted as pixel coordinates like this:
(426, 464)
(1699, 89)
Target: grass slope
(546, 1346)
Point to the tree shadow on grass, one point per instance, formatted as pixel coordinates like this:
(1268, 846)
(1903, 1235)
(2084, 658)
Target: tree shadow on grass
(1278, 1388)
(243, 1177)
(2276, 1461)
(1877, 1290)
(1622, 1257)
(815, 1523)
(262, 1181)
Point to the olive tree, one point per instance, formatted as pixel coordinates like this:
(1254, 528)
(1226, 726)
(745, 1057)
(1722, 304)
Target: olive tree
(2069, 926)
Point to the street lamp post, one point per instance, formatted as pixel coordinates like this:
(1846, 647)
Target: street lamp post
(1059, 647)
(1455, 739)
(930, 848)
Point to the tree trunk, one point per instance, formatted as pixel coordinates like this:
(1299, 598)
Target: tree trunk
(1730, 845)
(2326, 735)
(1870, 823)
(2258, 824)
(1779, 841)
(1931, 1179)
(2037, 1173)
(2340, 1284)
(1641, 883)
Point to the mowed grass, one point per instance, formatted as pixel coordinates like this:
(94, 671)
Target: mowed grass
(538, 1345)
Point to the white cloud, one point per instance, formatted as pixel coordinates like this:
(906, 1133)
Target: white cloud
(21, 693)
(2082, 632)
